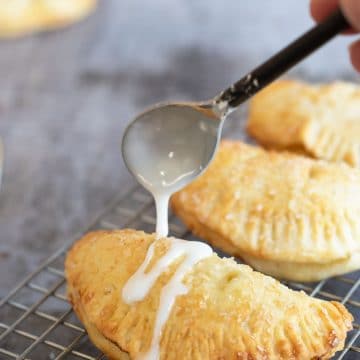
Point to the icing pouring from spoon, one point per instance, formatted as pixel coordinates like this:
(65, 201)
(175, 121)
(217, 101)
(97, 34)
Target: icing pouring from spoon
(169, 145)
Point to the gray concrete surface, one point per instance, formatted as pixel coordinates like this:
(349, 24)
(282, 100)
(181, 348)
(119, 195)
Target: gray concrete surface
(66, 96)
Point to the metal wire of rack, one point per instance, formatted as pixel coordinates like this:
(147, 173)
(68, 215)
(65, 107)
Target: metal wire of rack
(36, 321)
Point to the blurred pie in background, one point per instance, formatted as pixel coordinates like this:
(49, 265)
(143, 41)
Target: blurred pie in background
(319, 120)
(20, 17)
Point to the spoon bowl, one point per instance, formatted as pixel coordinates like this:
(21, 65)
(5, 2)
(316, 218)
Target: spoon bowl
(169, 145)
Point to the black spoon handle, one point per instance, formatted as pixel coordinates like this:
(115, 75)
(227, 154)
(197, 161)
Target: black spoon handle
(284, 60)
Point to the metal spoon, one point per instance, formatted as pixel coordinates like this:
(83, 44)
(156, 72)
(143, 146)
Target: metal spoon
(170, 144)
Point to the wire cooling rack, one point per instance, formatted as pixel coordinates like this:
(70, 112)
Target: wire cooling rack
(36, 322)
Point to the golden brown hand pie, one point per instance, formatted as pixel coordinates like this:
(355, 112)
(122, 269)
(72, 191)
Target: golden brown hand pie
(230, 311)
(286, 215)
(320, 120)
(19, 17)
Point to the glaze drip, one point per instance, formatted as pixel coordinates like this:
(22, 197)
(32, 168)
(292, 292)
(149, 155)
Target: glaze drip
(140, 284)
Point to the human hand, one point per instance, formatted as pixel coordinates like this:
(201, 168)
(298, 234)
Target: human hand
(351, 9)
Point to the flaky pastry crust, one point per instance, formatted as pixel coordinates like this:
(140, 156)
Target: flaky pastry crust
(230, 311)
(290, 216)
(322, 121)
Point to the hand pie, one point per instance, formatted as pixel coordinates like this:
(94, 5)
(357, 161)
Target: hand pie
(321, 120)
(286, 215)
(19, 17)
(229, 311)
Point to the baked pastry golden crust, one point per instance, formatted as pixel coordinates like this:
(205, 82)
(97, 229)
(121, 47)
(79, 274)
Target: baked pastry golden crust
(20, 17)
(289, 216)
(230, 311)
(320, 120)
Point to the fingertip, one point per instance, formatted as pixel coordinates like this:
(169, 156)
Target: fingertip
(351, 10)
(320, 9)
(314, 10)
(355, 54)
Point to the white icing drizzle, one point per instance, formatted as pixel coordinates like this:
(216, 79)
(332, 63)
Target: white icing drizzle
(139, 285)
(162, 204)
